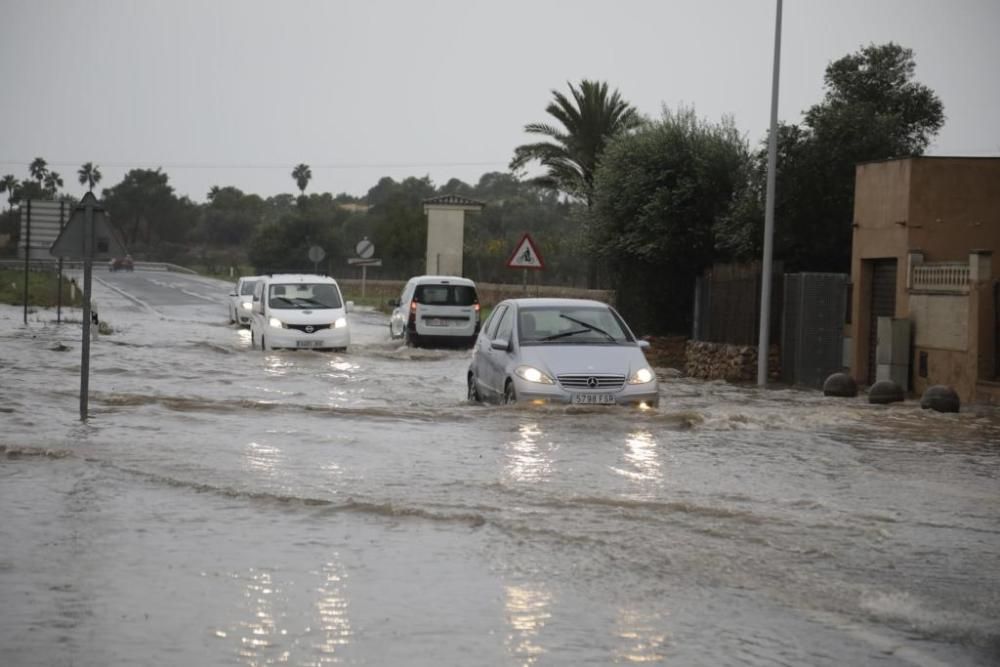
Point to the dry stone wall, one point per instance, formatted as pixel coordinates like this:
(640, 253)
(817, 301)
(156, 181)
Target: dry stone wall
(733, 363)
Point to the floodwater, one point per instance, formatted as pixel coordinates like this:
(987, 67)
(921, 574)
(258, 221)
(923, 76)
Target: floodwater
(225, 506)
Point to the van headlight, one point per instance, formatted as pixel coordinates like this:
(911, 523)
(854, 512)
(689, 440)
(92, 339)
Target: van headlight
(642, 376)
(246, 305)
(532, 374)
(276, 323)
(340, 323)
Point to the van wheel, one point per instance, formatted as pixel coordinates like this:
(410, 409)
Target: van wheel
(473, 392)
(509, 393)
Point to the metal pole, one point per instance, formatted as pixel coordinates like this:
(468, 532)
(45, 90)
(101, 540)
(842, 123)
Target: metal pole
(88, 261)
(364, 278)
(27, 260)
(764, 344)
(59, 282)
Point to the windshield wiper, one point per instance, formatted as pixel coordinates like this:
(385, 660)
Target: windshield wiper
(589, 326)
(564, 334)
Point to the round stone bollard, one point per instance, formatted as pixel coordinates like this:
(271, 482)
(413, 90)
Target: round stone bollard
(840, 384)
(885, 391)
(940, 398)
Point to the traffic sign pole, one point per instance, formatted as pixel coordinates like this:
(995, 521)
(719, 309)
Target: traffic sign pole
(88, 250)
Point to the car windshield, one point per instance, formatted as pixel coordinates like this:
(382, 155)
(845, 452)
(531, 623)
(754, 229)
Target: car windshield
(571, 325)
(445, 295)
(303, 296)
(247, 288)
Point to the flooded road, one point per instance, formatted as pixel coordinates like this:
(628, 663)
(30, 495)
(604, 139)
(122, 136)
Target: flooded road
(228, 506)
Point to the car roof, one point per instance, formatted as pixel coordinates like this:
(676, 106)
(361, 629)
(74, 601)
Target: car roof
(441, 280)
(299, 278)
(552, 302)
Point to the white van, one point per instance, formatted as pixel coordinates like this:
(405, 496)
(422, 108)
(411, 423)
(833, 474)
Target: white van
(436, 310)
(240, 300)
(299, 311)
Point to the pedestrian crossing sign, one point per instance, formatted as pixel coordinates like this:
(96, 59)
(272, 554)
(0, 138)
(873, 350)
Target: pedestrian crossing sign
(526, 255)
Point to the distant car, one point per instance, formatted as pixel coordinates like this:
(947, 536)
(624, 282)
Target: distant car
(299, 311)
(436, 311)
(121, 264)
(561, 351)
(240, 300)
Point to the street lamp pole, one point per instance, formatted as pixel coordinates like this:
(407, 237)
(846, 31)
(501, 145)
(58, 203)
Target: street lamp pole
(764, 343)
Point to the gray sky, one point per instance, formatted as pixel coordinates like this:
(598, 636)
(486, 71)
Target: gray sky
(237, 92)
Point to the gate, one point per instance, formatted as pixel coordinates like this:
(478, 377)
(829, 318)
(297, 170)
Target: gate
(883, 304)
(812, 339)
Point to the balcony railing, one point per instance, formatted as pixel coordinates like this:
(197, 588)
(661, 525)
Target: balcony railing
(941, 278)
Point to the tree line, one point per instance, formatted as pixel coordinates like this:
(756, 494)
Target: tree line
(641, 205)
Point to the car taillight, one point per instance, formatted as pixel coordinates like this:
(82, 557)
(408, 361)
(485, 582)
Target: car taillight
(412, 321)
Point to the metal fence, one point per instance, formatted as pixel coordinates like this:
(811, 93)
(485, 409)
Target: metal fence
(727, 304)
(812, 338)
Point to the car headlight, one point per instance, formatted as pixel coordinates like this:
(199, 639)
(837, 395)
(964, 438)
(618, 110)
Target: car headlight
(340, 323)
(532, 374)
(276, 323)
(246, 305)
(642, 376)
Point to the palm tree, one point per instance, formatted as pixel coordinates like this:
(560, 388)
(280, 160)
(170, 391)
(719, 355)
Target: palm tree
(588, 121)
(38, 169)
(53, 181)
(302, 175)
(89, 175)
(9, 184)
(214, 192)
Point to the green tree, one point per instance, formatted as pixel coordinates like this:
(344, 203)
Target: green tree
(657, 197)
(145, 208)
(230, 217)
(53, 181)
(90, 175)
(872, 110)
(38, 169)
(302, 175)
(9, 184)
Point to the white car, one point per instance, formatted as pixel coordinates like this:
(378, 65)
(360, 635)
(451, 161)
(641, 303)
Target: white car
(560, 351)
(240, 300)
(299, 311)
(436, 311)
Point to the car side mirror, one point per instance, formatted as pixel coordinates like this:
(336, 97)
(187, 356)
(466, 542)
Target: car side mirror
(501, 344)
(349, 307)
(643, 344)
(232, 294)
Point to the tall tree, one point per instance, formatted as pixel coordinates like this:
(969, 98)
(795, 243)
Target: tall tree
(53, 181)
(587, 122)
(145, 208)
(872, 110)
(302, 175)
(38, 169)
(89, 175)
(9, 184)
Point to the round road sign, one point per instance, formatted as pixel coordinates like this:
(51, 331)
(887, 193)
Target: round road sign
(365, 248)
(316, 254)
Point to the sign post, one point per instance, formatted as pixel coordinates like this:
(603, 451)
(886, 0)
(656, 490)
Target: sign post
(316, 254)
(87, 236)
(366, 251)
(526, 256)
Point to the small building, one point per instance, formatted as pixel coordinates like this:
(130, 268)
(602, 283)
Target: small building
(446, 232)
(925, 300)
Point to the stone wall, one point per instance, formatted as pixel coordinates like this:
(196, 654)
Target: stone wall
(733, 363)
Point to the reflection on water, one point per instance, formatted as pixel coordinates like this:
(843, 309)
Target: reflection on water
(332, 607)
(526, 460)
(276, 365)
(527, 613)
(643, 458)
(641, 637)
(258, 634)
(260, 458)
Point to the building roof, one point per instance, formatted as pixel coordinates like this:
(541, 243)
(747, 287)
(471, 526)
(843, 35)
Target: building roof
(454, 200)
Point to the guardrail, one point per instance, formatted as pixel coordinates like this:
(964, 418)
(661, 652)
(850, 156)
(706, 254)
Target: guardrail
(71, 265)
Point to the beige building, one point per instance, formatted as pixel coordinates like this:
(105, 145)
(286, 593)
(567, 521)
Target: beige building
(446, 232)
(925, 256)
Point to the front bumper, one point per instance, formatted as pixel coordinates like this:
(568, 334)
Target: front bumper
(647, 394)
(299, 340)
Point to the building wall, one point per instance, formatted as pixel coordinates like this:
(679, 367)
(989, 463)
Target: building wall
(445, 237)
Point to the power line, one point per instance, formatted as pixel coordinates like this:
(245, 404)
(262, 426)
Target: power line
(222, 165)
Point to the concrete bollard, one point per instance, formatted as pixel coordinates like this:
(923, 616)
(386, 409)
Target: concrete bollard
(840, 384)
(885, 391)
(941, 398)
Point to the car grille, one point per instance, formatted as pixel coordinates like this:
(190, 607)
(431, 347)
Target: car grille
(308, 328)
(586, 381)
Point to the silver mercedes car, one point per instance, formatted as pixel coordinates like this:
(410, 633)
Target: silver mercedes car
(562, 351)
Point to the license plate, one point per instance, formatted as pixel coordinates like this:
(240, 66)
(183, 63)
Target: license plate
(594, 399)
(308, 343)
(435, 322)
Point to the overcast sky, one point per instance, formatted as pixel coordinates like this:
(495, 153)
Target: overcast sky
(240, 91)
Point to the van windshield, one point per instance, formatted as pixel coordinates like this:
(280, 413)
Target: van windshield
(303, 296)
(445, 295)
(247, 287)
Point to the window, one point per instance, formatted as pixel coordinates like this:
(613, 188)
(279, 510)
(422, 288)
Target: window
(303, 296)
(445, 295)
(494, 321)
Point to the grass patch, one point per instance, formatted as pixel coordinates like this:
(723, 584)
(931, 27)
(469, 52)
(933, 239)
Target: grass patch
(42, 289)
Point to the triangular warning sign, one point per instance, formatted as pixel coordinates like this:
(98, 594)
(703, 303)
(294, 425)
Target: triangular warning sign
(104, 243)
(526, 255)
